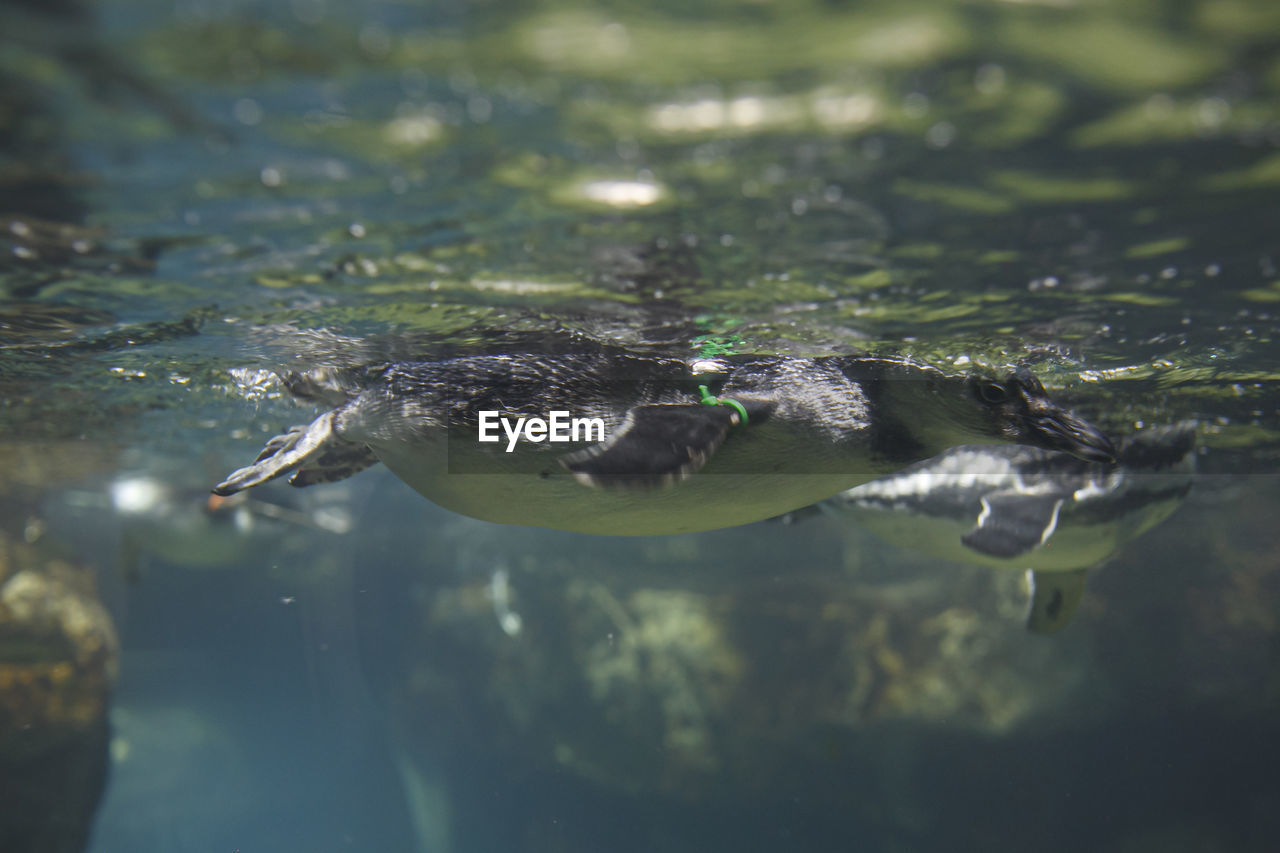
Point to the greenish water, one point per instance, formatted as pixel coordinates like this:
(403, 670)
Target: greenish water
(196, 192)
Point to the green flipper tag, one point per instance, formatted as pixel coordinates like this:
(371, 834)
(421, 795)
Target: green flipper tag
(708, 399)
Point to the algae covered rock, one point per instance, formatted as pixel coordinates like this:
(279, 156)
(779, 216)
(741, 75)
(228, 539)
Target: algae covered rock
(632, 678)
(58, 659)
(892, 689)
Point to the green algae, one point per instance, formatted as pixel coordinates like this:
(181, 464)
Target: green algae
(1163, 118)
(1123, 56)
(589, 43)
(1264, 173)
(971, 199)
(1019, 112)
(1049, 189)
(1262, 294)
(1155, 248)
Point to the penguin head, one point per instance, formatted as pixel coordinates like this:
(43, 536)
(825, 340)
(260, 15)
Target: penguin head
(919, 410)
(1023, 413)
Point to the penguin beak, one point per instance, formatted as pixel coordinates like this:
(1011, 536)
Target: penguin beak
(1059, 429)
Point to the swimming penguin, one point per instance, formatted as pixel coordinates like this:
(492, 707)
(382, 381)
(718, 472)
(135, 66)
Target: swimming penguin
(1055, 515)
(681, 446)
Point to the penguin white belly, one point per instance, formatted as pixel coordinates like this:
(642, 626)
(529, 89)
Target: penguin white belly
(706, 501)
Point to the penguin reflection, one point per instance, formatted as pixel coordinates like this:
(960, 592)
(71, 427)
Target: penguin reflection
(1052, 514)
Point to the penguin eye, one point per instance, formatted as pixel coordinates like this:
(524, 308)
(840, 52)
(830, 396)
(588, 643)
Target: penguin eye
(992, 392)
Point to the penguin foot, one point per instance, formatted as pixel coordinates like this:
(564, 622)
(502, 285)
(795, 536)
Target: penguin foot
(282, 454)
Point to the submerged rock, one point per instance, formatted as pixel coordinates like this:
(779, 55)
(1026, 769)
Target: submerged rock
(674, 687)
(58, 659)
(898, 690)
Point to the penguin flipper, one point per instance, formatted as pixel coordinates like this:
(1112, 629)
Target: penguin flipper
(654, 446)
(1013, 523)
(1054, 597)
